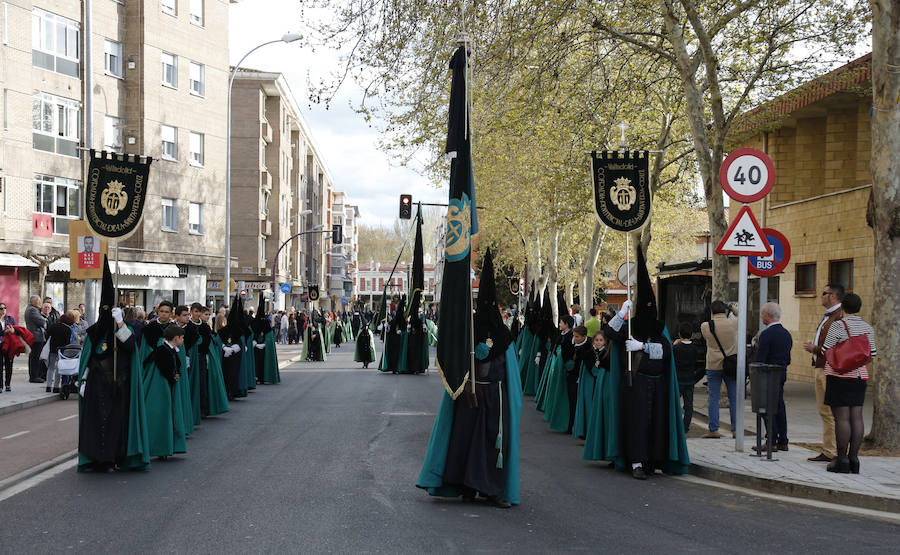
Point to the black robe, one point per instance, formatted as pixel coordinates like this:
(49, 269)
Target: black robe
(416, 343)
(393, 344)
(205, 333)
(314, 349)
(103, 433)
(472, 453)
(644, 409)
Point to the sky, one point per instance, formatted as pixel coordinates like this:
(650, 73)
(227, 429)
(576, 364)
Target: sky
(346, 142)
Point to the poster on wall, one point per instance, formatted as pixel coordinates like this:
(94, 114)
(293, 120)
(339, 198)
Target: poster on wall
(86, 251)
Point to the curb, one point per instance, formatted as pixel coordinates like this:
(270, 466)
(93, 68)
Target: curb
(30, 403)
(288, 362)
(16, 479)
(769, 485)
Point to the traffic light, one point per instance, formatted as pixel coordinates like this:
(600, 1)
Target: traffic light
(405, 207)
(337, 234)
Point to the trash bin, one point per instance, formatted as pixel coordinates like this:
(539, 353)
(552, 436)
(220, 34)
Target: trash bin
(765, 379)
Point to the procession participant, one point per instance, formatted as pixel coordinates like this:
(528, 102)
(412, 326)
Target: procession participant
(338, 336)
(265, 357)
(190, 390)
(365, 345)
(162, 373)
(474, 445)
(394, 342)
(652, 429)
(562, 361)
(530, 345)
(213, 396)
(594, 369)
(230, 340)
(356, 322)
(547, 333)
(157, 397)
(581, 351)
(313, 343)
(112, 422)
(247, 375)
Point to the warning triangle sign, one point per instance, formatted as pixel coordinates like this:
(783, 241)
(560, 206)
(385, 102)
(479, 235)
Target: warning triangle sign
(744, 237)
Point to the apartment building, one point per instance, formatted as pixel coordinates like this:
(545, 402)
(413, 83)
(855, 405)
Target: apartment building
(158, 74)
(281, 187)
(373, 278)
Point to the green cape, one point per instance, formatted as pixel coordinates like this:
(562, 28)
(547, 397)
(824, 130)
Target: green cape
(165, 408)
(305, 350)
(271, 375)
(218, 397)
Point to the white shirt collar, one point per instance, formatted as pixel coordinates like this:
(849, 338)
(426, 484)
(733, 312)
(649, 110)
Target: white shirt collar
(173, 347)
(778, 323)
(832, 309)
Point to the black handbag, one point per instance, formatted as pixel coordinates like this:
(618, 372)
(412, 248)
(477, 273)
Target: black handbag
(729, 363)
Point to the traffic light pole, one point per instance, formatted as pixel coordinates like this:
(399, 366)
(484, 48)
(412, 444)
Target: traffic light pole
(278, 252)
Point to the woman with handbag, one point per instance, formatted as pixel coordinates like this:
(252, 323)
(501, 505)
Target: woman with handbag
(849, 347)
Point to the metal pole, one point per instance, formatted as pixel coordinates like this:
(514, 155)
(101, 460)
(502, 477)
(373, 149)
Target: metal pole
(90, 297)
(628, 292)
(738, 427)
(116, 303)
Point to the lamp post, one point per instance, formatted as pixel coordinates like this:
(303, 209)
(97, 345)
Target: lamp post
(226, 283)
(317, 229)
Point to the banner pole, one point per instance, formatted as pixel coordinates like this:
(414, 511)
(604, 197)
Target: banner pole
(115, 303)
(628, 292)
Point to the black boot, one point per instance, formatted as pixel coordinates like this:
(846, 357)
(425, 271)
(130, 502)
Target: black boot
(841, 465)
(854, 465)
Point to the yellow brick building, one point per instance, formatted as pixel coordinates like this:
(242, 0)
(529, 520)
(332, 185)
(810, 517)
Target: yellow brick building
(819, 138)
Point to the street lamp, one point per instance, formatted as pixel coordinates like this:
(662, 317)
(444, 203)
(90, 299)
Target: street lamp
(226, 283)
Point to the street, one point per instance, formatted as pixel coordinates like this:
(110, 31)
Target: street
(326, 461)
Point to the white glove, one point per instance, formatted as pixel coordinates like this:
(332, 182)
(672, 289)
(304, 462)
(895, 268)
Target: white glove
(633, 345)
(259, 345)
(187, 362)
(235, 348)
(226, 351)
(117, 315)
(537, 360)
(625, 310)
(255, 343)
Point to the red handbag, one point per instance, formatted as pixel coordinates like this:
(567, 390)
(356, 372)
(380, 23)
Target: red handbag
(850, 354)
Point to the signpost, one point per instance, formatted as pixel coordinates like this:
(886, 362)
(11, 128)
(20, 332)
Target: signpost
(747, 175)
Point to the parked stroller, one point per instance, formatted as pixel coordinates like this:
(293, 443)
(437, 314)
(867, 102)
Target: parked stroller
(67, 362)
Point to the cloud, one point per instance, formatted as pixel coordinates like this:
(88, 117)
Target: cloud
(347, 143)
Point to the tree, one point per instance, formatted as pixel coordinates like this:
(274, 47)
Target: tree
(43, 261)
(885, 167)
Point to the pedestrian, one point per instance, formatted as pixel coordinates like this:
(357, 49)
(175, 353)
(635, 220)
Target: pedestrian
(80, 326)
(774, 348)
(845, 392)
(221, 319)
(832, 297)
(276, 324)
(6, 358)
(50, 311)
(284, 327)
(292, 328)
(36, 323)
(720, 334)
(136, 320)
(576, 314)
(684, 354)
(593, 324)
(59, 334)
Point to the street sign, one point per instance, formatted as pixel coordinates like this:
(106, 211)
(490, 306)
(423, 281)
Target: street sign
(747, 175)
(774, 264)
(285, 288)
(744, 237)
(627, 273)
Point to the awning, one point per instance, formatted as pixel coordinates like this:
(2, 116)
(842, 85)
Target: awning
(7, 259)
(148, 269)
(61, 265)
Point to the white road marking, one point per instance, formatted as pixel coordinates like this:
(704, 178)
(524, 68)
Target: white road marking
(63, 419)
(17, 434)
(35, 480)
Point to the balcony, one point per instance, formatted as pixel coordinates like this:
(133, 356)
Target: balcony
(265, 227)
(265, 131)
(265, 180)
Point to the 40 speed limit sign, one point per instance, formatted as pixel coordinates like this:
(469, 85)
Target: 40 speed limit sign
(747, 175)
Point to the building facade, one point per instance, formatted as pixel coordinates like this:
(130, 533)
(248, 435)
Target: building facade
(159, 75)
(374, 277)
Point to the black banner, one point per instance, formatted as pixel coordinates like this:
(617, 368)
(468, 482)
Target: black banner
(115, 193)
(514, 285)
(621, 188)
(313, 292)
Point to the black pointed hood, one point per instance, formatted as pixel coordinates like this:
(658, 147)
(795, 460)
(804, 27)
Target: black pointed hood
(232, 329)
(399, 321)
(260, 323)
(105, 327)
(646, 324)
(489, 326)
(546, 326)
(561, 307)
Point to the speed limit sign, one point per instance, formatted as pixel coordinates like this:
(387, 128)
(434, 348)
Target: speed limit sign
(747, 175)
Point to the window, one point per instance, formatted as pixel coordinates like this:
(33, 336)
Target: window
(56, 124)
(60, 197)
(112, 57)
(5, 108)
(54, 42)
(168, 6)
(195, 218)
(112, 134)
(169, 70)
(805, 280)
(169, 214)
(197, 80)
(841, 271)
(197, 12)
(285, 210)
(262, 247)
(169, 142)
(196, 146)
(5, 29)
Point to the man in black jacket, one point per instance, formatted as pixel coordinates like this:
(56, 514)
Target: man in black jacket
(775, 344)
(36, 323)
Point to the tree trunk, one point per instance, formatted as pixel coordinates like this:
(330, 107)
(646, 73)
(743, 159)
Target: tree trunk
(590, 263)
(570, 294)
(553, 274)
(885, 167)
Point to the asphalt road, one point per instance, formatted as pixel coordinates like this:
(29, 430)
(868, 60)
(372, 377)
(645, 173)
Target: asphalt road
(326, 462)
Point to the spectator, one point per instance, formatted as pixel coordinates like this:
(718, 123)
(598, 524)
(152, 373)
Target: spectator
(136, 318)
(684, 354)
(284, 327)
(52, 314)
(720, 330)
(593, 324)
(221, 319)
(80, 326)
(576, 313)
(832, 296)
(59, 334)
(292, 328)
(36, 323)
(6, 359)
(845, 393)
(775, 348)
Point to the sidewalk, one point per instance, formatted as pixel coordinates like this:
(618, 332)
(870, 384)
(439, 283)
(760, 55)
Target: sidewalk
(877, 486)
(24, 394)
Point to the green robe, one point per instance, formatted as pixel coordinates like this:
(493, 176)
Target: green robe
(165, 408)
(556, 404)
(541, 392)
(193, 354)
(137, 451)
(270, 364)
(218, 396)
(305, 352)
(432, 332)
